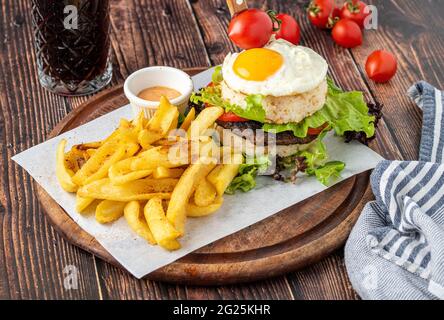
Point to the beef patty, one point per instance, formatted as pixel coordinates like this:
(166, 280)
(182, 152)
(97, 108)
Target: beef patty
(286, 138)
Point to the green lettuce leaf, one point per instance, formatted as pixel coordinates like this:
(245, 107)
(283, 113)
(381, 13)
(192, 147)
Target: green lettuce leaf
(343, 111)
(316, 155)
(246, 179)
(329, 171)
(314, 162)
(252, 111)
(181, 120)
(211, 96)
(217, 77)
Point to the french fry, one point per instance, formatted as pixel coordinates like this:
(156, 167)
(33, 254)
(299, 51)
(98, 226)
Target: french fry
(133, 176)
(163, 232)
(156, 157)
(165, 119)
(195, 211)
(146, 138)
(64, 175)
(86, 155)
(209, 148)
(143, 165)
(223, 174)
(125, 134)
(191, 116)
(144, 189)
(204, 120)
(80, 153)
(202, 147)
(91, 152)
(98, 165)
(135, 218)
(140, 122)
(176, 213)
(74, 160)
(121, 173)
(205, 193)
(131, 149)
(82, 203)
(163, 173)
(109, 211)
(116, 133)
(167, 142)
(87, 146)
(125, 124)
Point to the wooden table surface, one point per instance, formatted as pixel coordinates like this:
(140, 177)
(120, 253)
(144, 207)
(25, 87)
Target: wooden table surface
(185, 33)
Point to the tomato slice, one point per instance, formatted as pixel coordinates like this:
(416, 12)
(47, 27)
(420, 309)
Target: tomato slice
(316, 131)
(232, 117)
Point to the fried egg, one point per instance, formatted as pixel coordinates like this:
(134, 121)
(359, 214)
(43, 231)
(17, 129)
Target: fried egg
(279, 69)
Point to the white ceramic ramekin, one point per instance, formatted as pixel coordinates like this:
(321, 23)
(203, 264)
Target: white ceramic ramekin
(157, 76)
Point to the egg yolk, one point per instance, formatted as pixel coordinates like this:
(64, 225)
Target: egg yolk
(258, 64)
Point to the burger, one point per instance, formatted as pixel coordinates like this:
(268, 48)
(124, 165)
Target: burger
(282, 94)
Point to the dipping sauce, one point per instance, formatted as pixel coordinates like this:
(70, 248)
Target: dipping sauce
(155, 93)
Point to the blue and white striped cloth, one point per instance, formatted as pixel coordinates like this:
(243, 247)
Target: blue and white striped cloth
(396, 249)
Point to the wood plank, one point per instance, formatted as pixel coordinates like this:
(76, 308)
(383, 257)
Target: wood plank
(130, 288)
(271, 289)
(32, 256)
(326, 280)
(157, 32)
(413, 32)
(213, 18)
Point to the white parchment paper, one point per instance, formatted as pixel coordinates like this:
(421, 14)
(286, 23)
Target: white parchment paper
(238, 212)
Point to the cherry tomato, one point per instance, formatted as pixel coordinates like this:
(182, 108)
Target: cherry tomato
(381, 66)
(289, 29)
(347, 34)
(320, 11)
(316, 131)
(231, 117)
(354, 10)
(336, 14)
(251, 28)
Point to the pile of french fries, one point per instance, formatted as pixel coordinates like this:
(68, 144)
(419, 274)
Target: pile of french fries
(152, 173)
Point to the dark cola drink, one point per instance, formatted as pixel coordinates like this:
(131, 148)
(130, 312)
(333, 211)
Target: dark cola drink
(72, 45)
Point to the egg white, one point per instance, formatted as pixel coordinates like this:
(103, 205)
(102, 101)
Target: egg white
(303, 70)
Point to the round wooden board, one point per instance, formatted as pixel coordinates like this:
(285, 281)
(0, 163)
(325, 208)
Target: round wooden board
(292, 239)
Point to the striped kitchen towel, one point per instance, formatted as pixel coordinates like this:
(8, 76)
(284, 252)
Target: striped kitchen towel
(396, 249)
